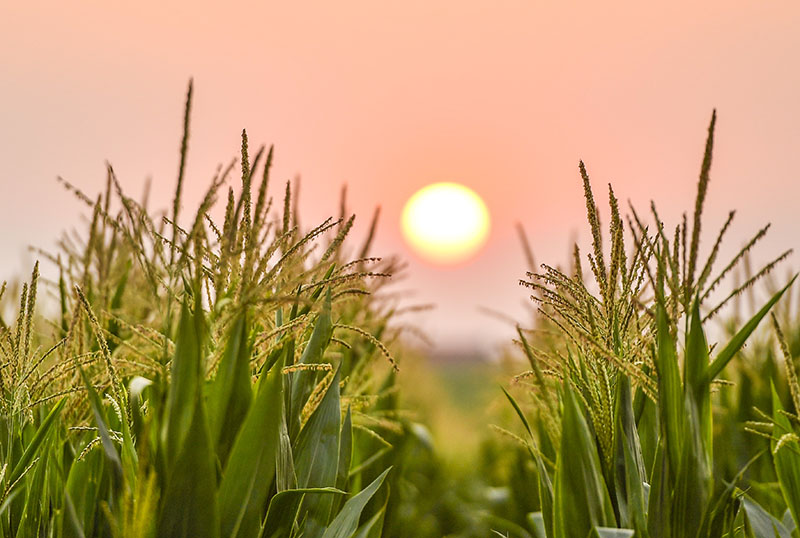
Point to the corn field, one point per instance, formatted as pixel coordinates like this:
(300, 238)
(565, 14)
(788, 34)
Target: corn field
(244, 377)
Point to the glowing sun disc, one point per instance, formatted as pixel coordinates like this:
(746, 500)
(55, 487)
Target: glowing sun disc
(445, 222)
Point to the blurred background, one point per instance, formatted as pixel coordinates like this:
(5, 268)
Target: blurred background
(387, 97)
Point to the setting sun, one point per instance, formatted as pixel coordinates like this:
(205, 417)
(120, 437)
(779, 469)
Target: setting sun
(445, 222)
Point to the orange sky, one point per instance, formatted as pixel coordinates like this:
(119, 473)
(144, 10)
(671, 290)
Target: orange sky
(502, 96)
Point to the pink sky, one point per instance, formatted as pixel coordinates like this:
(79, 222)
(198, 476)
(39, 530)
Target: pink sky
(504, 97)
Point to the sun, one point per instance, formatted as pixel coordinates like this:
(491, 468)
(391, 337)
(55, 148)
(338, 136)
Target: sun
(445, 223)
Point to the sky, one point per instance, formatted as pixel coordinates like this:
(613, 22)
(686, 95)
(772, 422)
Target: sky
(504, 97)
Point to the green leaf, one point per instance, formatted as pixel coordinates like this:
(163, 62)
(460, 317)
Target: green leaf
(629, 468)
(345, 457)
(32, 449)
(520, 414)
(345, 451)
(185, 378)
(658, 505)
(695, 366)
(231, 391)
(374, 527)
(736, 343)
(608, 532)
(250, 470)
(581, 497)
(129, 457)
(786, 458)
(689, 431)
(74, 527)
(303, 382)
(285, 476)
(189, 504)
(81, 491)
(317, 455)
(762, 523)
(788, 521)
(696, 350)
(536, 522)
(282, 512)
(545, 485)
(670, 392)
(693, 481)
(346, 522)
(723, 508)
(102, 427)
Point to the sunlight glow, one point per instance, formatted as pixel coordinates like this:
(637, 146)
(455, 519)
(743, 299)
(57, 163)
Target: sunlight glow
(445, 223)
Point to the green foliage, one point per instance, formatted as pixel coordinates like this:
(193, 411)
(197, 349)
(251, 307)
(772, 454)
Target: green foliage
(580, 495)
(637, 384)
(211, 379)
(199, 381)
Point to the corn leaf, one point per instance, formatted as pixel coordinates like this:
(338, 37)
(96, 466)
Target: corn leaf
(736, 343)
(231, 391)
(581, 498)
(608, 532)
(761, 523)
(32, 449)
(249, 473)
(317, 456)
(283, 510)
(374, 527)
(629, 473)
(786, 456)
(189, 503)
(185, 381)
(303, 382)
(345, 523)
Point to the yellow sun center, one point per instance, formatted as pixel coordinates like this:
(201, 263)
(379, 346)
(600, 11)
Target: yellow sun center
(445, 222)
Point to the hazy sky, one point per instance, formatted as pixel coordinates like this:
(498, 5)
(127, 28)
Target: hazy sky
(501, 96)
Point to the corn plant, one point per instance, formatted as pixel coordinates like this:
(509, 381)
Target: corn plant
(209, 380)
(622, 431)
